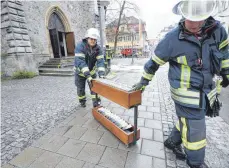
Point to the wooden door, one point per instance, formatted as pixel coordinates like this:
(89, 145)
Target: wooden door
(55, 43)
(70, 43)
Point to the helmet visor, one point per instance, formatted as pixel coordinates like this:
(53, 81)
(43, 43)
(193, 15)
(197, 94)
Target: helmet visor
(197, 10)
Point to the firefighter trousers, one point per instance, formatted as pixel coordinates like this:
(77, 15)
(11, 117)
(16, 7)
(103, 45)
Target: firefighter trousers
(80, 83)
(192, 133)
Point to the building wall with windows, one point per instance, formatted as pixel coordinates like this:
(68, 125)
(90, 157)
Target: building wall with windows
(129, 28)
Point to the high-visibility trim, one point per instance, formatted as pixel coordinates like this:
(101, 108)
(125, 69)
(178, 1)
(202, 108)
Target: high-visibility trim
(218, 85)
(147, 76)
(227, 77)
(185, 92)
(223, 44)
(101, 69)
(182, 60)
(84, 69)
(79, 55)
(93, 96)
(82, 97)
(158, 60)
(100, 57)
(178, 125)
(225, 63)
(212, 96)
(190, 145)
(191, 101)
(185, 72)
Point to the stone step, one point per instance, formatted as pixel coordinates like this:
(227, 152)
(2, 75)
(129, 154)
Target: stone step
(56, 70)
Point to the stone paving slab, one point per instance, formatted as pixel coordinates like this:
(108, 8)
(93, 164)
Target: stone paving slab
(91, 153)
(70, 163)
(109, 140)
(71, 148)
(153, 148)
(138, 161)
(113, 158)
(75, 132)
(27, 157)
(92, 136)
(47, 160)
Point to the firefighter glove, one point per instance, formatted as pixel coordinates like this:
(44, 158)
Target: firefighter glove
(89, 81)
(225, 81)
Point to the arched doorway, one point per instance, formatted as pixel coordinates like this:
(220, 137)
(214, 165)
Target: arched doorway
(61, 39)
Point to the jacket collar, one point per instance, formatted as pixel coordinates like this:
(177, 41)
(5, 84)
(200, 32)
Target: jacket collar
(209, 26)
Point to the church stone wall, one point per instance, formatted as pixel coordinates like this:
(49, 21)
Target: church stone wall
(25, 42)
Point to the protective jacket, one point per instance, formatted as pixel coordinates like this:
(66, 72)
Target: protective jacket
(108, 54)
(88, 60)
(193, 62)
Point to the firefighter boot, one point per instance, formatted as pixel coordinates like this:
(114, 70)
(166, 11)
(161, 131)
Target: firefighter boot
(83, 104)
(203, 165)
(176, 148)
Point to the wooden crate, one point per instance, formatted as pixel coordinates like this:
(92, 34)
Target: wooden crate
(126, 138)
(121, 97)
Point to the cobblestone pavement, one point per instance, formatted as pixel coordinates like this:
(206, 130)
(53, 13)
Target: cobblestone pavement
(79, 141)
(30, 107)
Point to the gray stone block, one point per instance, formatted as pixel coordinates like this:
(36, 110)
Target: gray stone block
(67, 162)
(27, 157)
(5, 24)
(12, 11)
(17, 18)
(42, 140)
(141, 121)
(25, 37)
(54, 143)
(153, 148)
(47, 160)
(138, 161)
(142, 108)
(79, 121)
(75, 132)
(10, 36)
(158, 135)
(71, 148)
(92, 124)
(133, 148)
(28, 50)
(113, 158)
(91, 153)
(158, 163)
(153, 124)
(15, 6)
(88, 165)
(4, 18)
(109, 139)
(4, 11)
(17, 36)
(8, 166)
(146, 133)
(157, 116)
(60, 130)
(21, 13)
(23, 26)
(18, 30)
(153, 109)
(92, 136)
(147, 115)
(20, 43)
(171, 163)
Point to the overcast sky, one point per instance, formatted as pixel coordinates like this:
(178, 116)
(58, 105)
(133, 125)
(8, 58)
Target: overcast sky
(157, 14)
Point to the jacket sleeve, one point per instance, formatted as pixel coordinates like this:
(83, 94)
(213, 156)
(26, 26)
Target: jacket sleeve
(160, 57)
(224, 48)
(80, 62)
(100, 61)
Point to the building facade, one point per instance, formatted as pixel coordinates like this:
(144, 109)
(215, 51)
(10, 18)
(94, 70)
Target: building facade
(130, 27)
(35, 31)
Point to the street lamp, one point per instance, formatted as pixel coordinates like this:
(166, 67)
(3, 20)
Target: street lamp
(132, 44)
(101, 5)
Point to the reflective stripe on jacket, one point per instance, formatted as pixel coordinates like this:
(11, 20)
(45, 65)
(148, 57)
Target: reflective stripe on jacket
(192, 63)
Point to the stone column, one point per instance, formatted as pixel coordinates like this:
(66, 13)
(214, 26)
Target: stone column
(17, 47)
